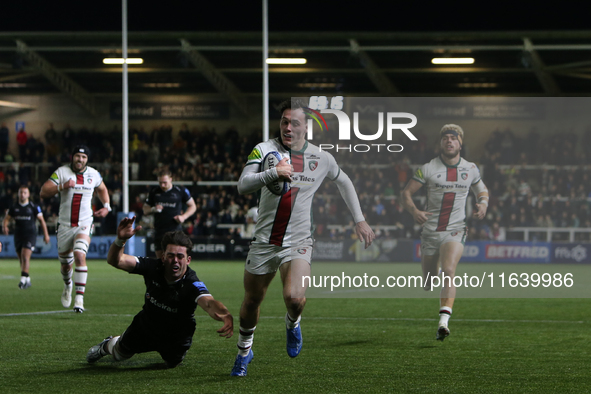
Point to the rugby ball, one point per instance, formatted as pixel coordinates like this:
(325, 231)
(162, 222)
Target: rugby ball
(278, 186)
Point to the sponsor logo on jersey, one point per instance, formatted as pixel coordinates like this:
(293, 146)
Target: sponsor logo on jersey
(313, 157)
(464, 176)
(255, 155)
(313, 165)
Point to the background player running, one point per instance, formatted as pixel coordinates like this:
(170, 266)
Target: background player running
(449, 179)
(166, 203)
(76, 184)
(25, 213)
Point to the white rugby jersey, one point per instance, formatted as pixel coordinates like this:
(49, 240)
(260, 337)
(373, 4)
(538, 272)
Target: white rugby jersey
(76, 202)
(286, 220)
(447, 192)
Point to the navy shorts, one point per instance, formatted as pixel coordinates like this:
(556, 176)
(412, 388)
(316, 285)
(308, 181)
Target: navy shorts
(143, 336)
(27, 241)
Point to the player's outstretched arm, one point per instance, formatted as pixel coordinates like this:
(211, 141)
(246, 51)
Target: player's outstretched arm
(116, 257)
(411, 188)
(218, 312)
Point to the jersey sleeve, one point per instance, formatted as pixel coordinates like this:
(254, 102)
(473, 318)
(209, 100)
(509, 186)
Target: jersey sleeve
(145, 265)
(37, 209)
(256, 156)
(185, 194)
(475, 174)
(56, 177)
(200, 289)
(420, 175)
(11, 211)
(150, 198)
(333, 168)
(99, 179)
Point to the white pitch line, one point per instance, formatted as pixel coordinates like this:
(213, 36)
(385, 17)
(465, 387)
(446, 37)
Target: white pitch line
(331, 318)
(35, 313)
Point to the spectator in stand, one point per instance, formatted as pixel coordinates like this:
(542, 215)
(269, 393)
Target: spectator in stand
(4, 140)
(21, 141)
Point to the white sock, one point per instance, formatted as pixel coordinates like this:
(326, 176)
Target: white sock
(107, 348)
(245, 339)
(80, 275)
(290, 322)
(67, 277)
(444, 315)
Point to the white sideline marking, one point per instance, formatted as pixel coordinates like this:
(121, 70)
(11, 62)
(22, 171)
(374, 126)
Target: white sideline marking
(36, 313)
(329, 318)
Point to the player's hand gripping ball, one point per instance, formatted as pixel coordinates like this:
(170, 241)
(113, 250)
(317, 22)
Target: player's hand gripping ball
(278, 186)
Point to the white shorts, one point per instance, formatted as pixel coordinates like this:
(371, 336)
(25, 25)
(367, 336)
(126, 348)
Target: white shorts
(266, 258)
(66, 236)
(431, 241)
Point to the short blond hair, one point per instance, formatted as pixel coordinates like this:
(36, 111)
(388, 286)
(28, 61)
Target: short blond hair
(453, 129)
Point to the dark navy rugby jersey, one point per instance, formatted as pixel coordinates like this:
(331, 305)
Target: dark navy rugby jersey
(24, 218)
(172, 205)
(169, 303)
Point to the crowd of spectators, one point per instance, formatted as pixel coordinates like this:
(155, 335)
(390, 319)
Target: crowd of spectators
(555, 195)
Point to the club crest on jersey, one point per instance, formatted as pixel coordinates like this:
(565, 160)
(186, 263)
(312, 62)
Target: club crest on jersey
(455, 233)
(301, 251)
(464, 176)
(89, 181)
(313, 165)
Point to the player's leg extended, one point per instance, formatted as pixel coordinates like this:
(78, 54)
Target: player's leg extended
(24, 257)
(81, 243)
(450, 252)
(294, 288)
(255, 289)
(294, 296)
(430, 266)
(66, 259)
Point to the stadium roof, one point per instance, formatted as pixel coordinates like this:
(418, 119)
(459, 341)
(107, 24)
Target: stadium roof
(229, 64)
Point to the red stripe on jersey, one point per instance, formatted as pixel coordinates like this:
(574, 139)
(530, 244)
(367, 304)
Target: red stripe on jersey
(446, 207)
(79, 179)
(75, 214)
(452, 174)
(282, 216)
(297, 161)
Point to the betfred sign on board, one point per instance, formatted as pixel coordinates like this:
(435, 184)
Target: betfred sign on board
(505, 252)
(522, 252)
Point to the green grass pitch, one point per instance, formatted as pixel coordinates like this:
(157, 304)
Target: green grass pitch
(350, 345)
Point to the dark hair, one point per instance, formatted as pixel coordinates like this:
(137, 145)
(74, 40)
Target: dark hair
(24, 187)
(291, 104)
(177, 238)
